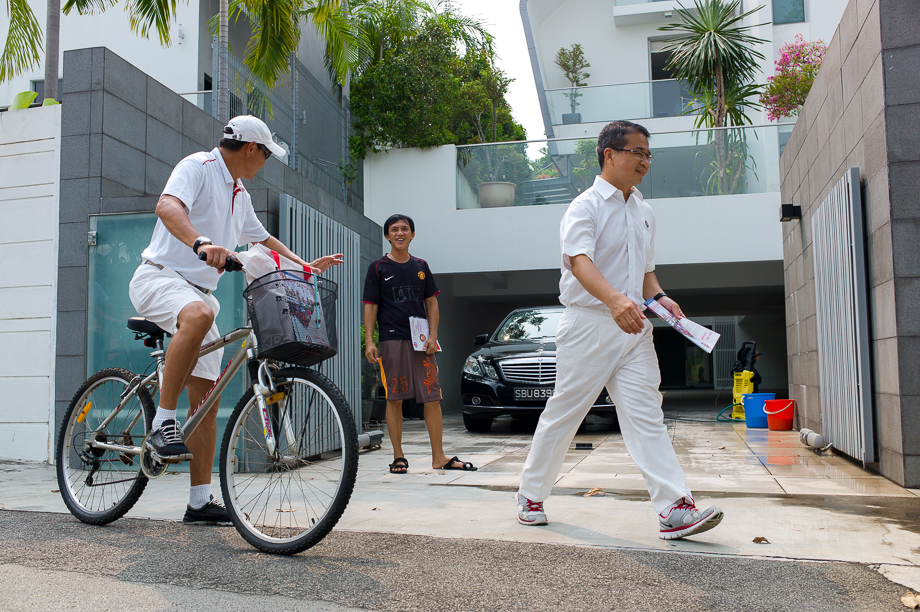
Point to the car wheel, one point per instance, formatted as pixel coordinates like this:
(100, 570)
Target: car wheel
(477, 424)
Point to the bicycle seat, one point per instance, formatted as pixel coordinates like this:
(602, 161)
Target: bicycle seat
(143, 326)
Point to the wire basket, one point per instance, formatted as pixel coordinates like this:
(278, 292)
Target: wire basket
(293, 319)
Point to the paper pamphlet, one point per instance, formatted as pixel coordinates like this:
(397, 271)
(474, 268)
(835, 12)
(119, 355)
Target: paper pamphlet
(418, 327)
(694, 332)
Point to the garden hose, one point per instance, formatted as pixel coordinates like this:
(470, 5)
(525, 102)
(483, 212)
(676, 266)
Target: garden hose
(729, 419)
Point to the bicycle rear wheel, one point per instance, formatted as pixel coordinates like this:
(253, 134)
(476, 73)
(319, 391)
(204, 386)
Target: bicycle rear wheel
(286, 501)
(100, 485)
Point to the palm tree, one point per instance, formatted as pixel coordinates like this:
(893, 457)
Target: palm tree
(715, 56)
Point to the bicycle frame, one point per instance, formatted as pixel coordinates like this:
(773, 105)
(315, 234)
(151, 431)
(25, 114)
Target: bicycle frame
(154, 381)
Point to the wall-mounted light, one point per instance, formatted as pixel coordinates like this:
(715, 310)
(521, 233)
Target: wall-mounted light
(789, 212)
(181, 35)
(667, 15)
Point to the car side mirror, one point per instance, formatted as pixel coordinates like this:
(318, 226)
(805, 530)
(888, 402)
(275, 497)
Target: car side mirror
(481, 339)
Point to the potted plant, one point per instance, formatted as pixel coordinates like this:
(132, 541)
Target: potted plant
(484, 106)
(572, 63)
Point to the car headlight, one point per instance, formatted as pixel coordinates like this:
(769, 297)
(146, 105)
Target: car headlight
(472, 367)
(479, 367)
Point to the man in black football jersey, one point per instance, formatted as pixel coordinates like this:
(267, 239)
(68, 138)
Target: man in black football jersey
(399, 286)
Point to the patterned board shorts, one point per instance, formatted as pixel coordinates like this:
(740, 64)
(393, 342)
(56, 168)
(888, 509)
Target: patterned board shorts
(409, 374)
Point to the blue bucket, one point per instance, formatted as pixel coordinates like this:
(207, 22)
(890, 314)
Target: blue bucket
(754, 415)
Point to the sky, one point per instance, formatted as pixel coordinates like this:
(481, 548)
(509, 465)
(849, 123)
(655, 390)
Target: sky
(502, 19)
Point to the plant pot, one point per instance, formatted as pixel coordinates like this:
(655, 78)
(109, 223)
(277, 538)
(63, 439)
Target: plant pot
(367, 407)
(496, 194)
(570, 118)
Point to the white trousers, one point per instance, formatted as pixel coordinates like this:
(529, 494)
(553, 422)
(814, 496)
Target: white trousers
(592, 352)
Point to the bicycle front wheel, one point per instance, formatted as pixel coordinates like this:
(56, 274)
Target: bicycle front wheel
(100, 485)
(285, 491)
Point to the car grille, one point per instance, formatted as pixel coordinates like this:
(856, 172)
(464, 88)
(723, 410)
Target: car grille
(531, 370)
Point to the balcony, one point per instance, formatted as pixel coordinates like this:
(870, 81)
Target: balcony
(605, 103)
(633, 12)
(685, 165)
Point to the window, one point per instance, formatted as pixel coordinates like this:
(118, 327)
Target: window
(669, 97)
(39, 87)
(788, 11)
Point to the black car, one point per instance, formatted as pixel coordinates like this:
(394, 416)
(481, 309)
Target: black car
(515, 370)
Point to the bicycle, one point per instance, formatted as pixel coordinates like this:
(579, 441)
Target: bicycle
(289, 456)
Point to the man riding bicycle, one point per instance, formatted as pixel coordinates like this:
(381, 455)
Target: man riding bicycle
(204, 209)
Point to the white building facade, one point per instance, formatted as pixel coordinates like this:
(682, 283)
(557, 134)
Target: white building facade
(718, 252)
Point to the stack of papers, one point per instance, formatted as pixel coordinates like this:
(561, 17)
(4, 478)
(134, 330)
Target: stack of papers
(418, 327)
(694, 332)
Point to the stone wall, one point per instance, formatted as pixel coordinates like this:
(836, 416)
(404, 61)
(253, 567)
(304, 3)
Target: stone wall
(863, 111)
(122, 133)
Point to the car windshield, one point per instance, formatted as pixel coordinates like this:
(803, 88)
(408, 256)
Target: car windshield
(530, 325)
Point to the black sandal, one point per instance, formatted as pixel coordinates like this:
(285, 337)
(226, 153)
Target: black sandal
(465, 466)
(400, 463)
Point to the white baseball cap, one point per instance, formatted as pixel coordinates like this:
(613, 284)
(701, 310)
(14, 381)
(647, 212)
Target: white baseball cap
(247, 128)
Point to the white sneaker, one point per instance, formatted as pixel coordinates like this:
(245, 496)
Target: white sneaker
(529, 512)
(683, 519)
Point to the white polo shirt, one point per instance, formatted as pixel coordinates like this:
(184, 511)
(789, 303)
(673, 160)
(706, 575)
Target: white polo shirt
(618, 235)
(218, 208)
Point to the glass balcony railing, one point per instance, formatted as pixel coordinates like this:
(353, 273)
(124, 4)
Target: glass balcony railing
(602, 103)
(690, 163)
(625, 2)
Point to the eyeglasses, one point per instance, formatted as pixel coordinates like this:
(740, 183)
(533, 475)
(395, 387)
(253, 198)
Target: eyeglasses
(264, 150)
(640, 154)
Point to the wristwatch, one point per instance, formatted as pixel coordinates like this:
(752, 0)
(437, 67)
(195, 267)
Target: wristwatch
(201, 241)
(659, 296)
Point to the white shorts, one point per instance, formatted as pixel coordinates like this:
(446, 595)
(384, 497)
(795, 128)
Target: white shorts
(160, 295)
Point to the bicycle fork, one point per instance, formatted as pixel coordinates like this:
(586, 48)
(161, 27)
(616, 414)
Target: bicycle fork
(267, 395)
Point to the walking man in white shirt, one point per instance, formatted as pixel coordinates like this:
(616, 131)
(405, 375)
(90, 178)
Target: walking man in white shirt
(603, 340)
(204, 208)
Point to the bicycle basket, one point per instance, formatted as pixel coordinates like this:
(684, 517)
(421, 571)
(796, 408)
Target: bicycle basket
(293, 319)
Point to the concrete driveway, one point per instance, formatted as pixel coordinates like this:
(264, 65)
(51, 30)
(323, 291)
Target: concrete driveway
(808, 506)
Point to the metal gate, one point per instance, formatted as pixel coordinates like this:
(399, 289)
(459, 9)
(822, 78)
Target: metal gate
(842, 320)
(723, 356)
(311, 234)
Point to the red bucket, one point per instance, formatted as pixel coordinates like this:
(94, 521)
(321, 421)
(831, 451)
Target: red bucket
(779, 414)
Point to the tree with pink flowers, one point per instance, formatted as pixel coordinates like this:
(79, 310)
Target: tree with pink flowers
(796, 70)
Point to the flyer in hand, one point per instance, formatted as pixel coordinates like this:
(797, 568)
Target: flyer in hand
(418, 327)
(694, 332)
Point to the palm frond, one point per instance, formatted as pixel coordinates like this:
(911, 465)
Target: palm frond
(738, 100)
(23, 43)
(275, 35)
(711, 38)
(87, 7)
(144, 15)
(469, 31)
(344, 44)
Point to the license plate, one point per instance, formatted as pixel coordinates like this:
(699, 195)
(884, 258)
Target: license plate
(522, 393)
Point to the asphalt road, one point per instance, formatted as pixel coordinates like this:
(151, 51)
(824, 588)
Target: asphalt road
(54, 562)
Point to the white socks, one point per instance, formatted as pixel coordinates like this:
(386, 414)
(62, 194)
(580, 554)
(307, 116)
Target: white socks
(199, 495)
(161, 416)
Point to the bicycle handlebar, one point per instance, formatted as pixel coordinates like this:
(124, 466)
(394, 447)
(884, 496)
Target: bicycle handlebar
(231, 265)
